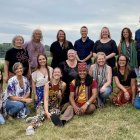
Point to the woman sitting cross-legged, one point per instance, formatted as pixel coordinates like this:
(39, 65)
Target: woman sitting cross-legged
(17, 95)
(125, 81)
(102, 73)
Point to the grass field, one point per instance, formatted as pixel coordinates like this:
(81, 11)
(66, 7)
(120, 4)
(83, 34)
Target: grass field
(108, 123)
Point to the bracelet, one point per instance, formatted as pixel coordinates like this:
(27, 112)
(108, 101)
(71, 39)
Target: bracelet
(87, 103)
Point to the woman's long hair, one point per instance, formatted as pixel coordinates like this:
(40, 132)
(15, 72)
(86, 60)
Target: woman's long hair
(65, 42)
(46, 66)
(1, 80)
(88, 80)
(129, 32)
(127, 67)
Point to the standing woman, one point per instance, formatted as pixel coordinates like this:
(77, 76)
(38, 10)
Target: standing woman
(70, 72)
(125, 81)
(42, 75)
(16, 54)
(59, 49)
(17, 95)
(102, 73)
(127, 46)
(106, 45)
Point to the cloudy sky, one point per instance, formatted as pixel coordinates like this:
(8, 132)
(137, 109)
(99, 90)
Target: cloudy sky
(23, 16)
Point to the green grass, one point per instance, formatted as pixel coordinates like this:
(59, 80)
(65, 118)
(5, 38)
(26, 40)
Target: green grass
(108, 123)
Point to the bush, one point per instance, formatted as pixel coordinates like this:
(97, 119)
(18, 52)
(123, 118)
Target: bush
(2, 67)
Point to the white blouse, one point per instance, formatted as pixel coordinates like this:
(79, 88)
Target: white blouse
(41, 79)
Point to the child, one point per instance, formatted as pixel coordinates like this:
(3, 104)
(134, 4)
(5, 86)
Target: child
(2, 121)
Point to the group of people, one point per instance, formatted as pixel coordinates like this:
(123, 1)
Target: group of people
(73, 84)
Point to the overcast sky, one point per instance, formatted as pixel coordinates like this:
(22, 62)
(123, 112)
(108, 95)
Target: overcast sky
(21, 17)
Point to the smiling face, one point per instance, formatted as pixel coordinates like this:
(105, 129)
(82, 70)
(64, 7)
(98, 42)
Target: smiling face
(57, 74)
(18, 70)
(84, 32)
(105, 33)
(122, 61)
(42, 60)
(61, 36)
(18, 42)
(125, 33)
(101, 60)
(37, 35)
(82, 73)
(71, 55)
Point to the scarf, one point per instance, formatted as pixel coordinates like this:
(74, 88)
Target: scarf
(133, 53)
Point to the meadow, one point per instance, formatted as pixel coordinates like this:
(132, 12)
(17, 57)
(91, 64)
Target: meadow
(108, 123)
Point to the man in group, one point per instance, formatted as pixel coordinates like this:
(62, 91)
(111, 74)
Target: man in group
(34, 48)
(84, 47)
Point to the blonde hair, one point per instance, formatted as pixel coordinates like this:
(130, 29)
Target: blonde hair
(98, 54)
(109, 36)
(35, 31)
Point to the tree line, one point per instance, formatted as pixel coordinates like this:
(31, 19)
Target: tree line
(5, 46)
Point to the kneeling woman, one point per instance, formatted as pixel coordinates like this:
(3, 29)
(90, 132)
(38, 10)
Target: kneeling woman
(125, 81)
(102, 73)
(17, 95)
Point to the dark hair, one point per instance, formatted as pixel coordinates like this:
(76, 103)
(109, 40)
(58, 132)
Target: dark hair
(84, 27)
(88, 80)
(45, 65)
(1, 80)
(129, 32)
(127, 67)
(65, 41)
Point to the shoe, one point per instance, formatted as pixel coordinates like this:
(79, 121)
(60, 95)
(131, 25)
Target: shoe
(30, 130)
(31, 119)
(56, 120)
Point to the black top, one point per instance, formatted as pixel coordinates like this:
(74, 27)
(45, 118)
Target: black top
(68, 75)
(14, 55)
(59, 53)
(131, 75)
(107, 48)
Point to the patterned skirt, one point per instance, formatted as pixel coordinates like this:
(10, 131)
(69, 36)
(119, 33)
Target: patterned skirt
(40, 95)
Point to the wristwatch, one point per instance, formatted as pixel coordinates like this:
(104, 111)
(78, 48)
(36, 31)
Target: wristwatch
(88, 103)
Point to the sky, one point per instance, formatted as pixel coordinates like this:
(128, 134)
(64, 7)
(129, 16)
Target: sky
(21, 17)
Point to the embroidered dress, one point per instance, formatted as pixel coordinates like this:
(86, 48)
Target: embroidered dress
(14, 89)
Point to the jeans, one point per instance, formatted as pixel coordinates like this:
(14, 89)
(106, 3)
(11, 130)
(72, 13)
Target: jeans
(105, 95)
(13, 107)
(137, 102)
(2, 121)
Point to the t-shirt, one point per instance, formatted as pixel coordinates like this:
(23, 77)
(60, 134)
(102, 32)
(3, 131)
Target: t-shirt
(39, 78)
(126, 82)
(59, 53)
(14, 55)
(81, 97)
(107, 48)
(83, 49)
(34, 49)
